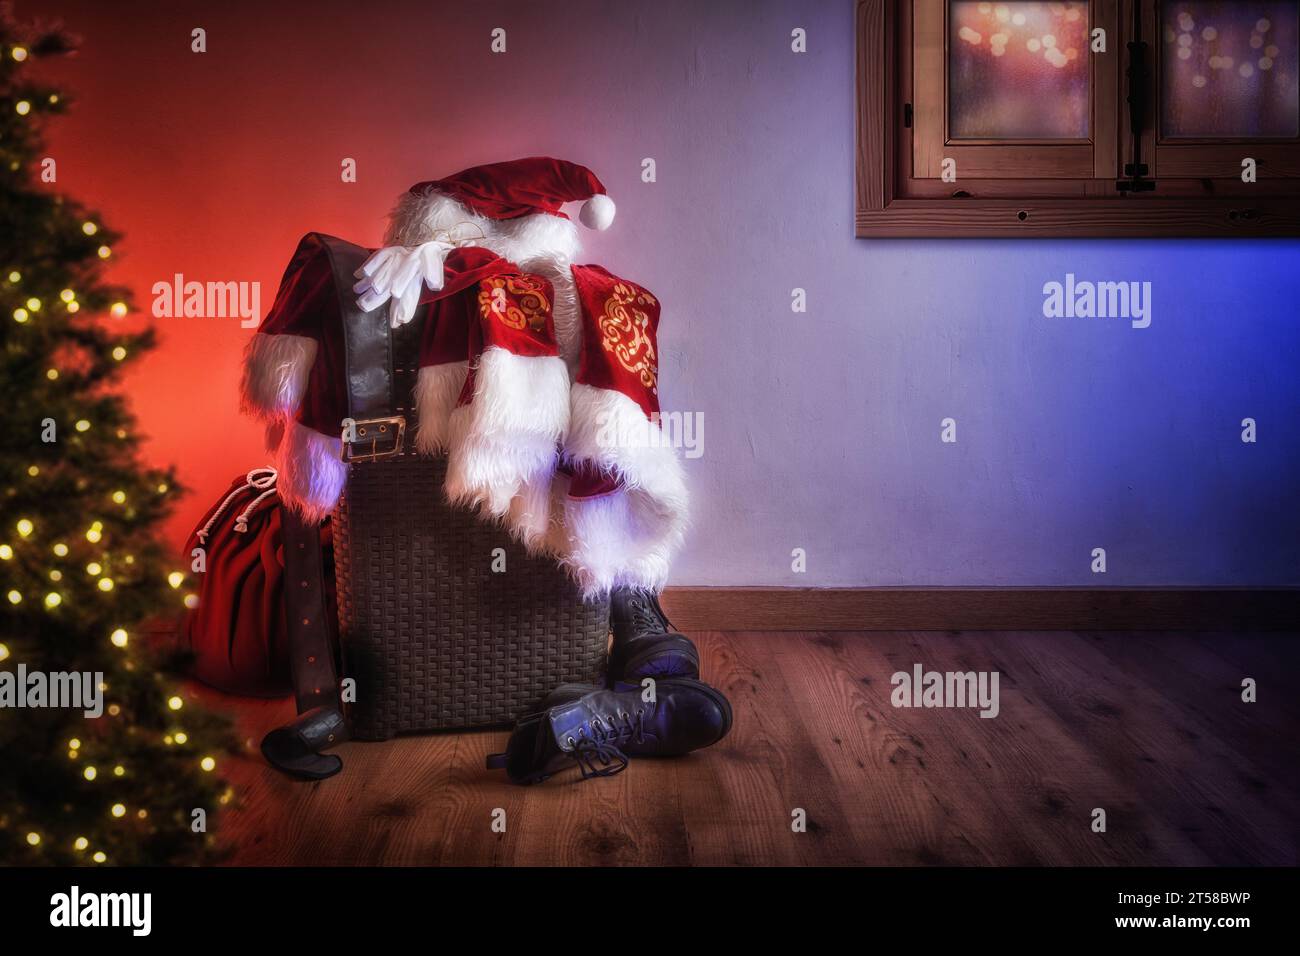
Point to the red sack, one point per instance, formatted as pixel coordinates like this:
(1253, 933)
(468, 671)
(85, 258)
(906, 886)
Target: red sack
(238, 633)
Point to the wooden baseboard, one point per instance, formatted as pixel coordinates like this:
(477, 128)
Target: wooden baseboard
(983, 609)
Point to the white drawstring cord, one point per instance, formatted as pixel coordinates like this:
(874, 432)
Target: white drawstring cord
(241, 523)
(260, 478)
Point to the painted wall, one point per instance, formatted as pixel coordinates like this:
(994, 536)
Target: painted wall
(822, 429)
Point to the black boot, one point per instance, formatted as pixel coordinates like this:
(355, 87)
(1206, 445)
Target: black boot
(599, 729)
(645, 644)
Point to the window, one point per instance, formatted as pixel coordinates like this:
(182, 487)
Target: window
(1084, 118)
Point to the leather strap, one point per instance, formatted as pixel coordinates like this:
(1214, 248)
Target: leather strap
(368, 354)
(367, 341)
(295, 747)
(311, 648)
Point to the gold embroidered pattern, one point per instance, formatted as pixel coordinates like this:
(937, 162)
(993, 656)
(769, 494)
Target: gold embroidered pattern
(625, 332)
(515, 301)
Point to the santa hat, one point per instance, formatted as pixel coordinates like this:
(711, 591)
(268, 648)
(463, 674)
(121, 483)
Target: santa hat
(525, 187)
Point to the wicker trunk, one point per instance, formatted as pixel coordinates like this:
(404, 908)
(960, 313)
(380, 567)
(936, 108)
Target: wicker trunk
(433, 636)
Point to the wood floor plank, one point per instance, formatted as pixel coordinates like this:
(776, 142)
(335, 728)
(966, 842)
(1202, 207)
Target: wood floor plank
(878, 766)
(1048, 708)
(738, 811)
(1183, 800)
(1145, 725)
(1017, 786)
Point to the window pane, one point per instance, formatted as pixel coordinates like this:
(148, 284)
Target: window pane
(1018, 70)
(1230, 68)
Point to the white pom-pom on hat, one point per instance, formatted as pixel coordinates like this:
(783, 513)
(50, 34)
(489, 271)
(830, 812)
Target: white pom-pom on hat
(597, 212)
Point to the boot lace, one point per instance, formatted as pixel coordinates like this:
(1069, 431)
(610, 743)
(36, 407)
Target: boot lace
(644, 618)
(599, 754)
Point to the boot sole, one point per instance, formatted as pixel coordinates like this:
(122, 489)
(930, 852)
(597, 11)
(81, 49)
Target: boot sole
(632, 673)
(524, 738)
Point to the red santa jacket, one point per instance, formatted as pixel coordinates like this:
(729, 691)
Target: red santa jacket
(576, 467)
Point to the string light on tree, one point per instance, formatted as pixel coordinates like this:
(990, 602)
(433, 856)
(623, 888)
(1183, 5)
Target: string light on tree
(51, 283)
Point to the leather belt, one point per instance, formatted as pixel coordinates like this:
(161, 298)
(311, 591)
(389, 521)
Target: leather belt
(313, 640)
(374, 433)
(368, 359)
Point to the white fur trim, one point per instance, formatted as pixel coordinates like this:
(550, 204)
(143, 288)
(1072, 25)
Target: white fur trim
(508, 436)
(597, 212)
(437, 389)
(430, 215)
(624, 539)
(533, 242)
(312, 475)
(528, 241)
(535, 517)
(275, 374)
(628, 537)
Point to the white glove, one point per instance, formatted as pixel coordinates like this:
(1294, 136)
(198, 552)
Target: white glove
(398, 273)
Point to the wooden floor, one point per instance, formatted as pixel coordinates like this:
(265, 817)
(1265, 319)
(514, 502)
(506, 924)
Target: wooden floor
(1150, 727)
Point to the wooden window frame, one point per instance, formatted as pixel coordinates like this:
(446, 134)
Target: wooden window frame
(992, 159)
(890, 202)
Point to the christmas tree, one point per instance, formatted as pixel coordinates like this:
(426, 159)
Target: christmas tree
(80, 565)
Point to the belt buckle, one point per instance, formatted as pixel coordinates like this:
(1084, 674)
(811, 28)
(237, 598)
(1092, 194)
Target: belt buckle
(380, 428)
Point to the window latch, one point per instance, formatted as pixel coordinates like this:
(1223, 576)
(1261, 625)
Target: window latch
(1136, 171)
